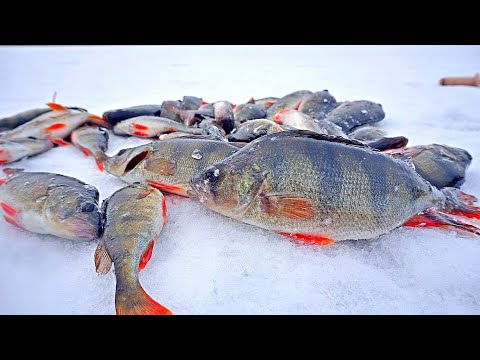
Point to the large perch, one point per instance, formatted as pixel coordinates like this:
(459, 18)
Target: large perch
(469, 81)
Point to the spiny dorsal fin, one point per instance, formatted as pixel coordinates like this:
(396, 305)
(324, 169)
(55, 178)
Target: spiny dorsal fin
(317, 136)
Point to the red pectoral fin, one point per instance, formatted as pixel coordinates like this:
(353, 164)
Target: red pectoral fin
(164, 187)
(84, 151)
(309, 238)
(140, 126)
(55, 126)
(59, 142)
(99, 165)
(287, 205)
(8, 209)
(140, 133)
(146, 256)
(11, 221)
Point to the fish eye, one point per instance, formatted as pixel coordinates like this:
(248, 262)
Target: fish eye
(87, 207)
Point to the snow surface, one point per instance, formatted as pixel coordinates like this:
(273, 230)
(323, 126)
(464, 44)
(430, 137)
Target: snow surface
(204, 263)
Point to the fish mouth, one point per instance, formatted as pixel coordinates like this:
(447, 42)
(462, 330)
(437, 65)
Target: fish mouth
(137, 159)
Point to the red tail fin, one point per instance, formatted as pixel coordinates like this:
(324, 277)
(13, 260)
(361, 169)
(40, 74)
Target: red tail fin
(138, 303)
(437, 219)
(460, 204)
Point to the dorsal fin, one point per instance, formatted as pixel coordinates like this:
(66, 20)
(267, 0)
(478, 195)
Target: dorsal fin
(407, 158)
(317, 136)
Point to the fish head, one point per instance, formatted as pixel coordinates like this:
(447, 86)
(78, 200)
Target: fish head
(228, 187)
(74, 212)
(127, 160)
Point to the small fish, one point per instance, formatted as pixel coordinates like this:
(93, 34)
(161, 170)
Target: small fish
(352, 114)
(55, 125)
(191, 102)
(223, 113)
(170, 110)
(168, 164)
(321, 189)
(290, 101)
(48, 203)
(244, 112)
(150, 126)
(318, 104)
(265, 103)
(17, 149)
(367, 133)
(92, 140)
(441, 165)
(132, 220)
(117, 115)
(18, 119)
(253, 129)
(298, 120)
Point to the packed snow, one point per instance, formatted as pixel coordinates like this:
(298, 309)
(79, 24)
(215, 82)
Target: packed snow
(204, 263)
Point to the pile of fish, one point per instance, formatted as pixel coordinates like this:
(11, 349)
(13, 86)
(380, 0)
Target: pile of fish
(303, 165)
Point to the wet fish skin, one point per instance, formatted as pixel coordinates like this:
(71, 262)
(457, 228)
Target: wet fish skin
(92, 140)
(170, 110)
(244, 112)
(265, 103)
(298, 120)
(352, 114)
(150, 126)
(214, 132)
(168, 164)
(289, 101)
(253, 129)
(133, 218)
(11, 122)
(318, 104)
(367, 133)
(224, 115)
(439, 164)
(192, 102)
(280, 183)
(57, 124)
(117, 115)
(49, 203)
(17, 149)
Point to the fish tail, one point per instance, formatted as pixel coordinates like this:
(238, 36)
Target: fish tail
(459, 203)
(138, 302)
(436, 218)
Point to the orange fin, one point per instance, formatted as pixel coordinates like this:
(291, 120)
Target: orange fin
(138, 303)
(99, 165)
(164, 187)
(84, 151)
(59, 142)
(460, 204)
(269, 103)
(56, 107)
(2, 180)
(55, 126)
(3, 162)
(160, 166)
(309, 238)
(139, 126)
(103, 261)
(140, 133)
(99, 121)
(164, 209)
(203, 103)
(11, 221)
(234, 106)
(8, 209)
(287, 205)
(435, 219)
(296, 107)
(146, 256)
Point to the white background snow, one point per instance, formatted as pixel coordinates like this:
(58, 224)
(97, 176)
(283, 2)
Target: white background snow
(204, 263)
